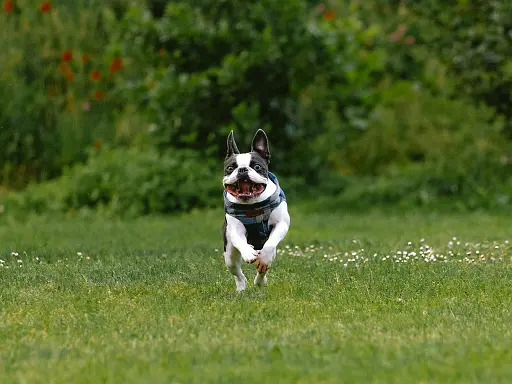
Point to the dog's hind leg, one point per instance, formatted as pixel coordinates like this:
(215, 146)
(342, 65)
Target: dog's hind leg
(260, 279)
(233, 261)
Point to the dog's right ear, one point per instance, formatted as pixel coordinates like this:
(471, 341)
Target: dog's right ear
(232, 148)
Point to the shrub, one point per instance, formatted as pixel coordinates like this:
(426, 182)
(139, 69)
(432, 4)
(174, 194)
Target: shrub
(129, 183)
(56, 87)
(203, 68)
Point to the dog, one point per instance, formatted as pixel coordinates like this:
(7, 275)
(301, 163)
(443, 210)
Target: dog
(256, 211)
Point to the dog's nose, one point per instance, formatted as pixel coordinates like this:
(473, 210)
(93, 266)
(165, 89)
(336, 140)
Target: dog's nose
(243, 170)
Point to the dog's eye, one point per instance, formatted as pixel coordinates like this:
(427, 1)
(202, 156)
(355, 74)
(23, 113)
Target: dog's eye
(230, 169)
(257, 167)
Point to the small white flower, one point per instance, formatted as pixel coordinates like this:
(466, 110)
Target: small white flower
(79, 253)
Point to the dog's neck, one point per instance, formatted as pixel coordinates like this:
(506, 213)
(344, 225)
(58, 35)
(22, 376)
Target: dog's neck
(269, 190)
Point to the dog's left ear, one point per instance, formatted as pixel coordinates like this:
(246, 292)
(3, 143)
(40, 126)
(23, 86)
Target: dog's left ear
(260, 145)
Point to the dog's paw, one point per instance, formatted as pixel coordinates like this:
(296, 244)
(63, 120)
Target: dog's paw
(261, 266)
(250, 255)
(265, 257)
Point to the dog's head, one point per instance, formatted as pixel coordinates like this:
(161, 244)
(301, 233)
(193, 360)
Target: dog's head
(246, 174)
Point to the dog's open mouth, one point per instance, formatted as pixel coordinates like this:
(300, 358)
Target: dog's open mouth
(245, 189)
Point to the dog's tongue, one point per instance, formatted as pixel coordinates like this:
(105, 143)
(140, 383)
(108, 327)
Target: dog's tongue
(244, 187)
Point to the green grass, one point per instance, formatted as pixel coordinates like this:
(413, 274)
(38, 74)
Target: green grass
(149, 300)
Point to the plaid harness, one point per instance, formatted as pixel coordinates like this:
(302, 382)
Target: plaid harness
(255, 217)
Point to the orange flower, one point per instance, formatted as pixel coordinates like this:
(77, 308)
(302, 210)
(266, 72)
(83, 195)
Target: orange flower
(161, 52)
(63, 67)
(46, 7)
(95, 75)
(67, 55)
(70, 76)
(98, 94)
(85, 58)
(116, 65)
(329, 15)
(8, 6)
(97, 144)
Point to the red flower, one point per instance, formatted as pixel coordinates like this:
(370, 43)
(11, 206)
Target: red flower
(85, 58)
(70, 76)
(46, 7)
(161, 52)
(98, 94)
(64, 68)
(329, 15)
(8, 6)
(95, 75)
(116, 65)
(97, 144)
(67, 55)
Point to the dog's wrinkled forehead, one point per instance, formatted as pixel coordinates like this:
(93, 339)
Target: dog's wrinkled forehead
(252, 160)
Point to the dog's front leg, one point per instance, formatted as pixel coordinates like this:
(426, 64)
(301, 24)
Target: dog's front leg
(236, 234)
(280, 220)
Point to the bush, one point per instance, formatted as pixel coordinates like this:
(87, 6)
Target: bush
(203, 68)
(371, 94)
(459, 48)
(57, 87)
(129, 183)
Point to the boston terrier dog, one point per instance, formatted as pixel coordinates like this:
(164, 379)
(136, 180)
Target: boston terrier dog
(257, 216)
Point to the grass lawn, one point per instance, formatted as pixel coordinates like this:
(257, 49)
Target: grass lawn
(352, 298)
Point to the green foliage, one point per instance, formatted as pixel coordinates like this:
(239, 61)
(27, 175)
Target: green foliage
(128, 183)
(402, 93)
(459, 48)
(204, 68)
(53, 106)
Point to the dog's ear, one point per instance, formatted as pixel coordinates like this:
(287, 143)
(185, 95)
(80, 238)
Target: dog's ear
(232, 148)
(260, 145)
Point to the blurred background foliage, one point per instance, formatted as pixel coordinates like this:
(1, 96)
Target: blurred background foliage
(124, 106)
